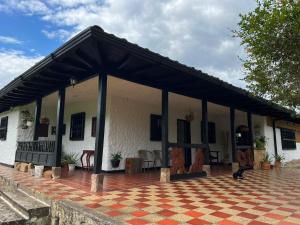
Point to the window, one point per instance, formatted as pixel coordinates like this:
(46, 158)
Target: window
(77, 127)
(155, 127)
(94, 120)
(3, 128)
(211, 132)
(288, 139)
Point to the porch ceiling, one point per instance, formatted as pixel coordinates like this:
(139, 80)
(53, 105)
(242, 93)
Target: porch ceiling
(93, 51)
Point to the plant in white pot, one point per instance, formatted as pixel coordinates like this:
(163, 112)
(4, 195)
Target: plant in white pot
(27, 119)
(70, 159)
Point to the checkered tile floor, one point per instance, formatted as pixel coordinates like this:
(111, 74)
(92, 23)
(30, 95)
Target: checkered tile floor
(263, 198)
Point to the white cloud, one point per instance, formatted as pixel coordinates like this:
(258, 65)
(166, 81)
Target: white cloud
(233, 76)
(195, 32)
(13, 63)
(70, 3)
(9, 40)
(60, 34)
(29, 7)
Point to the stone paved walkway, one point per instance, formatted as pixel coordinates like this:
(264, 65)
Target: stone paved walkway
(263, 198)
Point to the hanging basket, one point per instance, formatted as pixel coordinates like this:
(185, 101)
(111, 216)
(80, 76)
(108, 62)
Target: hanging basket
(44, 120)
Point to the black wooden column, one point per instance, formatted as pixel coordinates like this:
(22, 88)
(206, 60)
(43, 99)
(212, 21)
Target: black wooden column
(59, 125)
(205, 130)
(37, 117)
(249, 118)
(275, 137)
(232, 133)
(164, 129)
(100, 125)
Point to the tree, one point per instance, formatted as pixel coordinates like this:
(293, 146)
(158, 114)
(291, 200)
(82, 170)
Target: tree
(271, 37)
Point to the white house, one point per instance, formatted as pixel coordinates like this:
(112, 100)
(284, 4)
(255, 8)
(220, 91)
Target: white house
(98, 92)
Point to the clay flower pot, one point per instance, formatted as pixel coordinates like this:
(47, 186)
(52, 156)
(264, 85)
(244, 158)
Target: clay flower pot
(266, 166)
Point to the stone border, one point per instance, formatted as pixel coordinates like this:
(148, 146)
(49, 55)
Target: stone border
(63, 211)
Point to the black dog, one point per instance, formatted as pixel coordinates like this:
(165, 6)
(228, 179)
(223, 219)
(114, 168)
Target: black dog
(238, 175)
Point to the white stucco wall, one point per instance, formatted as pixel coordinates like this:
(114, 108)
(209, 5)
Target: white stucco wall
(9, 146)
(70, 146)
(288, 154)
(127, 127)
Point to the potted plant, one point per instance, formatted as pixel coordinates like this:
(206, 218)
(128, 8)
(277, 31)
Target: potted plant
(44, 120)
(278, 160)
(266, 163)
(260, 143)
(70, 159)
(115, 159)
(27, 119)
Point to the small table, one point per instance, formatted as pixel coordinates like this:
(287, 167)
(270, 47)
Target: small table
(133, 165)
(88, 154)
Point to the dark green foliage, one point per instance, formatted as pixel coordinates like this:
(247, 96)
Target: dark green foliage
(271, 37)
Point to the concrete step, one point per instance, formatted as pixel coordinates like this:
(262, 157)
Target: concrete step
(8, 215)
(27, 205)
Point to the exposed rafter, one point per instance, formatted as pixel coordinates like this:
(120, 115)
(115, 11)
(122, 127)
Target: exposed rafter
(75, 62)
(20, 95)
(99, 52)
(59, 75)
(50, 79)
(32, 83)
(68, 66)
(140, 70)
(123, 62)
(87, 59)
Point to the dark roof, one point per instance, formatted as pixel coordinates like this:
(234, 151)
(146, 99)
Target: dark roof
(94, 51)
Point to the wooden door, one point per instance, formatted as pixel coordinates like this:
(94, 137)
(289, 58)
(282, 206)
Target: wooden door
(184, 137)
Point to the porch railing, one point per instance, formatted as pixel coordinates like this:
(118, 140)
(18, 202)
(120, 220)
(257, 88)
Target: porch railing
(36, 152)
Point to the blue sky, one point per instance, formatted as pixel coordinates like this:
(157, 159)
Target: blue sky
(26, 29)
(195, 32)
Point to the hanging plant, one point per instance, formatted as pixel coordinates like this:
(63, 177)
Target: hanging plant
(189, 117)
(44, 120)
(27, 119)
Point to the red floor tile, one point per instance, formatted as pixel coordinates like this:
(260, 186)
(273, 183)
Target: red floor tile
(166, 213)
(139, 213)
(198, 222)
(168, 222)
(228, 222)
(113, 213)
(137, 222)
(274, 216)
(296, 215)
(247, 215)
(220, 214)
(287, 223)
(258, 223)
(92, 205)
(194, 213)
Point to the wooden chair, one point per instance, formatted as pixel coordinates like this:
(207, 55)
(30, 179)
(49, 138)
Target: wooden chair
(177, 157)
(156, 157)
(144, 154)
(214, 158)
